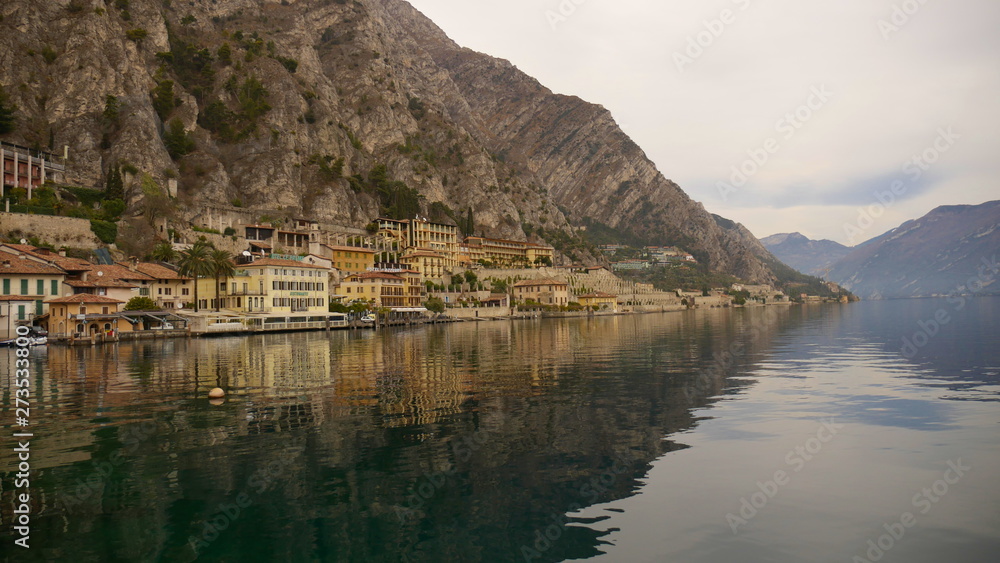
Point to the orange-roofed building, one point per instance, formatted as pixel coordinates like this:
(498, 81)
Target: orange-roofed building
(84, 315)
(29, 280)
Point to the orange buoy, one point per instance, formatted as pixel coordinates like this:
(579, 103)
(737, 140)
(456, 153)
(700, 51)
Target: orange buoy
(216, 393)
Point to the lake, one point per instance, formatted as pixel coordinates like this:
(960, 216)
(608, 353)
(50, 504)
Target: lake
(848, 433)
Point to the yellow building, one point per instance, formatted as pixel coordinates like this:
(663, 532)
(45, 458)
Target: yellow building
(349, 259)
(539, 254)
(600, 301)
(269, 285)
(507, 253)
(383, 289)
(84, 315)
(544, 291)
(430, 265)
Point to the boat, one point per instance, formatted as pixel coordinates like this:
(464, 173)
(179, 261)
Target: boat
(32, 341)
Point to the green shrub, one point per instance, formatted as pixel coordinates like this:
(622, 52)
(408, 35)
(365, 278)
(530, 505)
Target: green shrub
(139, 303)
(106, 231)
(137, 34)
(113, 209)
(49, 54)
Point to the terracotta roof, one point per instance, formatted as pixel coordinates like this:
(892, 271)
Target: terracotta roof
(260, 244)
(281, 263)
(350, 248)
(25, 298)
(158, 271)
(114, 271)
(64, 262)
(531, 283)
(84, 298)
(99, 283)
(14, 264)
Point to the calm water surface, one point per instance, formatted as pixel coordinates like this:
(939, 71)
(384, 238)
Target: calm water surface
(771, 434)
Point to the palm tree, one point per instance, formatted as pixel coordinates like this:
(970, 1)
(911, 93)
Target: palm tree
(163, 252)
(221, 266)
(194, 262)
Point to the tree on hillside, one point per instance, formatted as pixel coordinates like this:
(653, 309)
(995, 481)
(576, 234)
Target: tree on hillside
(7, 110)
(177, 140)
(221, 263)
(194, 262)
(114, 186)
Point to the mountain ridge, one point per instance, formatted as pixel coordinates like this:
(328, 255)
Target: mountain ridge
(947, 251)
(293, 107)
(813, 257)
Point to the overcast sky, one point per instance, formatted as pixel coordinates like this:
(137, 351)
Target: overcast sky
(882, 89)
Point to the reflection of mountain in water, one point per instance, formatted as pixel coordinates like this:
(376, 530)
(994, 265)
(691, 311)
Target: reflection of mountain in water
(445, 443)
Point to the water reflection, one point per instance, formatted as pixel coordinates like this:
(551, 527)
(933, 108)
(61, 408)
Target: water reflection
(447, 443)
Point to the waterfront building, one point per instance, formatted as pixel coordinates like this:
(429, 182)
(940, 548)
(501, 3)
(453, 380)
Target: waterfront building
(599, 300)
(544, 291)
(269, 285)
(84, 315)
(402, 289)
(25, 283)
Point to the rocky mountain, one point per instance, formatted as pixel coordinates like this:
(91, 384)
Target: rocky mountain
(952, 249)
(809, 256)
(338, 111)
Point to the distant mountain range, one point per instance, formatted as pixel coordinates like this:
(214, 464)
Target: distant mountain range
(951, 249)
(809, 256)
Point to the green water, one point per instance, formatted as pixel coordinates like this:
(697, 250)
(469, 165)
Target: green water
(629, 438)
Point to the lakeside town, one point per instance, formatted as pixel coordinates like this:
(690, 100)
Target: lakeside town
(236, 273)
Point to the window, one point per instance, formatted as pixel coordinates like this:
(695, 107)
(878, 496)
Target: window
(83, 309)
(168, 291)
(144, 291)
(24, 287)
(6, 286)
(104, 310)
(41, 287)
(184, 291)
(159, 291)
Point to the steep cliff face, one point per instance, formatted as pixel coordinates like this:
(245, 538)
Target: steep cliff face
(294, 106)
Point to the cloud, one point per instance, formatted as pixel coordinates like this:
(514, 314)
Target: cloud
(892, 91)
